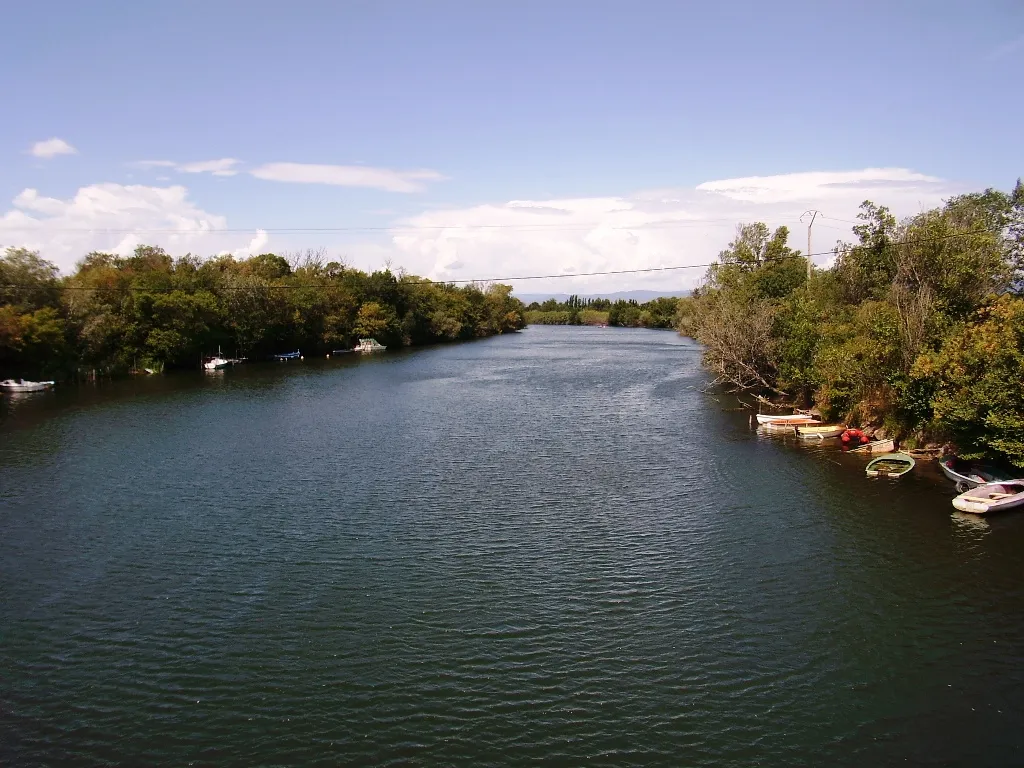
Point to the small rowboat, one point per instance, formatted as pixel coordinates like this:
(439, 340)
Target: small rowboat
(890, 465)
(768, 418)
(820, 431)
(968, 474)
(991, 497)
(788, 426)
(876, 446)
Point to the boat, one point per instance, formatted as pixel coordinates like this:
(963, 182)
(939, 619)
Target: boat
(25, 386)
(787, 426)
(369, 345)
(991, 497)
(819, 431)
(296, 355)
(875, 446)
(969, 474)
(890, 465)
(767, 418)
(216, 363)
(340, 352)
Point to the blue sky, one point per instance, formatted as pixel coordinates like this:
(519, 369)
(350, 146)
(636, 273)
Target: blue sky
(535, 101)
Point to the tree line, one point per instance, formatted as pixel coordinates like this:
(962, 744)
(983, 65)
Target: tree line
(918, 326)
(116, 314)
(657, 313)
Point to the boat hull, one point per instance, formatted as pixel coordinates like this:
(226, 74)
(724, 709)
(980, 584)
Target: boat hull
(767, 418)
(979, 476)
(876, 446)
(890, 465)
(819, 433)
(26, 386)
(991, 497)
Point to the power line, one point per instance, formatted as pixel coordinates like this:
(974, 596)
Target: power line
(469, 281)
(577, 227)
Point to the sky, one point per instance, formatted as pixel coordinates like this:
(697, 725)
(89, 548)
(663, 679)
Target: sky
(487, 140)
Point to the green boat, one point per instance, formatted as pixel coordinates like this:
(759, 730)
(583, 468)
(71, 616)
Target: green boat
(890, 465)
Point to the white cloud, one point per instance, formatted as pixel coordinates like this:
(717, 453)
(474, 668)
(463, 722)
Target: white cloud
(223, 167)
(347, 176)
(51, 148)
(254, 247)
(657, 228)
(116, 218)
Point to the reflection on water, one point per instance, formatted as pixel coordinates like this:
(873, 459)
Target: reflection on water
(551, 548)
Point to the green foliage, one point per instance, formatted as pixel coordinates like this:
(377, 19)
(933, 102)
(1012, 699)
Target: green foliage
(148, 309)
(978, 380)
(917, 326)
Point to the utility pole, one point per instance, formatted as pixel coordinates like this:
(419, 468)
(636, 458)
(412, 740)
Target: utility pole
(813, 214)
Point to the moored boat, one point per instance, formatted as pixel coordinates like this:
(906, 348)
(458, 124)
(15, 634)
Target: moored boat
(969, 474)
(767, 418)
(787, 426)
(369, 345)
(216, 363)
(875, 446)
(25, 386)
(819, 431)
(890, 465)
(296, 355)
(991, 497)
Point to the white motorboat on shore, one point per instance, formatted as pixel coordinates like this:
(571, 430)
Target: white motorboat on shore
(10, 385)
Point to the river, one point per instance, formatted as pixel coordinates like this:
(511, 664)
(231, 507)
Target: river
(548, 548)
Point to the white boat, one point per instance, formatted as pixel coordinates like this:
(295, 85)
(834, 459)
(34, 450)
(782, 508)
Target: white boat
(767, 418)
(369, 345)
(819, 431)
(991, 497)
(787, 426)
(218, 362)
(25, 386)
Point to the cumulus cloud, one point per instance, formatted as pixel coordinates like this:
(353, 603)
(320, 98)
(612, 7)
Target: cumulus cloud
(348, 176)
(115, 218)
(254, 247)
(51, 148)
(653, 229)
(223, 167)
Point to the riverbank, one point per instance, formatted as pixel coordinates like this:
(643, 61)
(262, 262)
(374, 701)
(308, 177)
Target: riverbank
(917, 328)
(119, 314)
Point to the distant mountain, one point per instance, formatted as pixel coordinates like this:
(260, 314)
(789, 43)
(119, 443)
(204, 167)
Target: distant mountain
(639, 296)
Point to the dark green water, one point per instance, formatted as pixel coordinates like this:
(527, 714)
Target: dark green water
(549, 548)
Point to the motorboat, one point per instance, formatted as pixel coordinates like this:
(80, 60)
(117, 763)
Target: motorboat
(21, 385)
(296, 355)
(369, 345)
(969, 474)
(991, 497)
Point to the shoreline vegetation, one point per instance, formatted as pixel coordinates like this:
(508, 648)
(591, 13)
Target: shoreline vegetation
(656, 313)
(916, 329)
(115, 315)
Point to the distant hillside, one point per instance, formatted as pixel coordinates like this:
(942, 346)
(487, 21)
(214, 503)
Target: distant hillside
(640, 296)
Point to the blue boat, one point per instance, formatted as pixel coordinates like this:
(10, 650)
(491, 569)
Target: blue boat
(296, 355)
